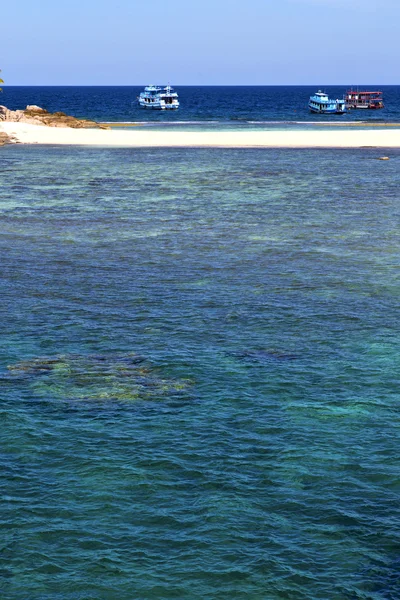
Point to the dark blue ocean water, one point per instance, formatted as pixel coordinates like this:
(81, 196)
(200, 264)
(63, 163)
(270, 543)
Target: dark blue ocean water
(200, 374)
(228, 106)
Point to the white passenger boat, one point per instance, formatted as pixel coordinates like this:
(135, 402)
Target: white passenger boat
(158, 98)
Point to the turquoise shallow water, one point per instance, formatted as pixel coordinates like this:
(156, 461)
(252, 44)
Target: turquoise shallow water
(199, 374)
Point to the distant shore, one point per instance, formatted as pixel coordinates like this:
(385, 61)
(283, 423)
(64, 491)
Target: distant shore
(26, 133)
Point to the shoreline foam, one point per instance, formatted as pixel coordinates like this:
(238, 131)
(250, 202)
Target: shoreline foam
(25, 133)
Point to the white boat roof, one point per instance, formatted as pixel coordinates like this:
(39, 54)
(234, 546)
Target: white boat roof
(152, 88)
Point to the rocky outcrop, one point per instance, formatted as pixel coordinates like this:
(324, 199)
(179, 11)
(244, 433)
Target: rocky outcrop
(40, 116)
(16, 116)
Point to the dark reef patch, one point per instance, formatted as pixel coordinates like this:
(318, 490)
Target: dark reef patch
(96, 377)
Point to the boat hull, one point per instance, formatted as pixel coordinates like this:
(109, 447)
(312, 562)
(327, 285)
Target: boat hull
(365, 106)
(326, 111)
(322, 111)
(158, 107)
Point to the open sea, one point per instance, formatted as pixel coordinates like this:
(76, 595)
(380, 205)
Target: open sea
(199, 362)
(211, 107)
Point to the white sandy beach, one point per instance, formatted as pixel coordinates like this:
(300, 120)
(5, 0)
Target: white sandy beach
(349, 138)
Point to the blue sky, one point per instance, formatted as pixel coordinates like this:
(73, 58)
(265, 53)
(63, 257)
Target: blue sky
(263, 42)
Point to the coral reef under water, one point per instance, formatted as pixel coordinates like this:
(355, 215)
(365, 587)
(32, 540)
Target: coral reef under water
(98, 377)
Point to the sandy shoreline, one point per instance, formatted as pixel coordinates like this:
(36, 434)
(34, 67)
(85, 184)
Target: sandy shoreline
(38, 134)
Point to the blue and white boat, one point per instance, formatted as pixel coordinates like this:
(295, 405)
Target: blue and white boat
(159, 98)
(321, 104)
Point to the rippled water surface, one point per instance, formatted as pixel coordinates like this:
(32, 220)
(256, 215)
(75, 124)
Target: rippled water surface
(199, 373)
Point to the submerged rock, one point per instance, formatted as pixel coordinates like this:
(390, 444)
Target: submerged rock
(99, 377)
